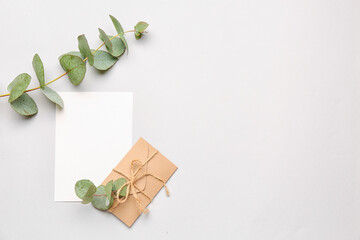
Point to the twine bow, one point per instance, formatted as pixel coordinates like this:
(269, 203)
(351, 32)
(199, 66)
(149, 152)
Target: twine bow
(131, 183)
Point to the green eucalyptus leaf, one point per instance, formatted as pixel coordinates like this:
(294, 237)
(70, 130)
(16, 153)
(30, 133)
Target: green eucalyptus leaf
(88, 197)
(85, 49)
(106, 40)
(118, 46)
(140, 28)
(122, 37)
(100, 200)
(103, 60)
(118, 184)
(117, 25)
(82, 187)
(108, 189)
(75, 67)
(39, 70)
(18, 86)
(24, 105)
(53, 96)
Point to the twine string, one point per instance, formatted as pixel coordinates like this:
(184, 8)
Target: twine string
(131, 183)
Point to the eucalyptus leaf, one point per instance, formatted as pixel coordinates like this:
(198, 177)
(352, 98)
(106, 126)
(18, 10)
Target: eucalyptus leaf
(85, 49)
(88, 197)
(106, 40)
(82, 187)
(118, 184)
(108, 189)
(120, 31)
(117, 25)
(122, 37)
(100, 200)
(24, 105)
(18, 86)
(140, 28)
(39, 70)
(118, 46)
(75, 67)
(103, 60)
(53, 96)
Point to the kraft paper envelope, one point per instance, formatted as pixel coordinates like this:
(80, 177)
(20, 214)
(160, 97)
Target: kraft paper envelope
(159, 166)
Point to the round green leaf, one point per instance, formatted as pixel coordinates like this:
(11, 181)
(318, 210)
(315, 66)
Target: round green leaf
(100, 200)
(18, 86)
(53, 96)
(88, 197)
(103, 60)
(118, 184)
(106, 40)
(75, 67)
(24, 105)
(118, 46)
(85, 49)
(39, 70)
(108, 189)
(140, 28)
(82, 187)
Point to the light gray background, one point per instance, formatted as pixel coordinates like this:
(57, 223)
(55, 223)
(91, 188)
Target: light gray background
(257, 102)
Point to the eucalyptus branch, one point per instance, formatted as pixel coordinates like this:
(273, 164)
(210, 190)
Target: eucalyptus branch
(64, 74)
(101, 197)
(74, 64)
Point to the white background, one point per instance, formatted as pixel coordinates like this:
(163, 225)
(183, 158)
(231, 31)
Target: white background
(257, 102)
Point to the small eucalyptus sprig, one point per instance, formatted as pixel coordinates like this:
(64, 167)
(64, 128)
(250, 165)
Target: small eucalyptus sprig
(74, 65)
(101, 197)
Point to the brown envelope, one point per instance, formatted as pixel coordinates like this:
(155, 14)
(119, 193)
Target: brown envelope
(159, 166)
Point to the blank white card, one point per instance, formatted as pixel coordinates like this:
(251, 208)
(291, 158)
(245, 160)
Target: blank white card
(93, 133)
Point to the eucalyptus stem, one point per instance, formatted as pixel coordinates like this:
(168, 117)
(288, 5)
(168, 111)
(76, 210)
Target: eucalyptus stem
(64, 74)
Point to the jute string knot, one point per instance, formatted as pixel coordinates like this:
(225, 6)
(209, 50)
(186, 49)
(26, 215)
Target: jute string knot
(136, 167)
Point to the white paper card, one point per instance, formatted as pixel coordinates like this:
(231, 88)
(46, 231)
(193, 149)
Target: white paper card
(93, 133)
